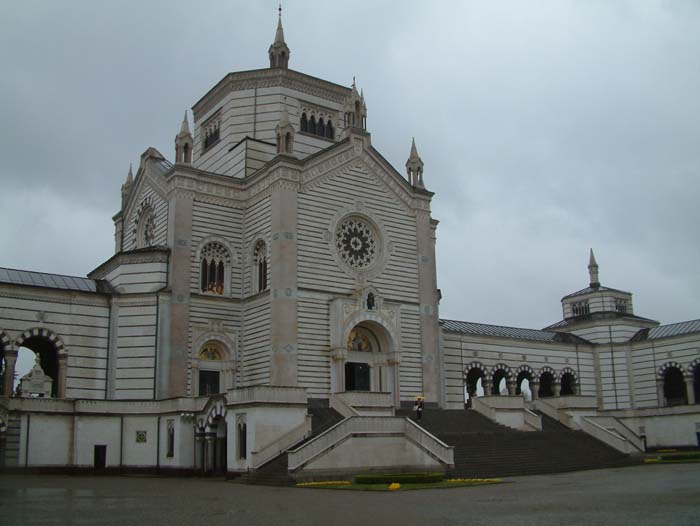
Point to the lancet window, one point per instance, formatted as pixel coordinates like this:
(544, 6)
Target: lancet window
(260, 266)
(320, 127)
(581, 308)
(214, 267)
(211, 131)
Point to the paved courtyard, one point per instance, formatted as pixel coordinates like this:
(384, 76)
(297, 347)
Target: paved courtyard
(668, 494)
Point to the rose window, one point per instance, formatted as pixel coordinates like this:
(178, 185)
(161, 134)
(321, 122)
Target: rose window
(356, 243)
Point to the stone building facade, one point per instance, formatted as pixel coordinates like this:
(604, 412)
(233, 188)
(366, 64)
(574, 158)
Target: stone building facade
(279, 262)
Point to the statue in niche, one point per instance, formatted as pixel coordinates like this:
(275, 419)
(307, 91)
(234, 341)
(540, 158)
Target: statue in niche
(370, 301)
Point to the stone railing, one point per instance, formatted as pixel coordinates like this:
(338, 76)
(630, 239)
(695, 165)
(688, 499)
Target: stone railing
(282, 444)
(337, 402)
(567, 410)
(611, 438)
(614, 425)
(266, 394)
(508, 411)
(366, 403)
(370, 425)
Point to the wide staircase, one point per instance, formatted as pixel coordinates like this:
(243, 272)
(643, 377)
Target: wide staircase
(484, 448)
(274, 472)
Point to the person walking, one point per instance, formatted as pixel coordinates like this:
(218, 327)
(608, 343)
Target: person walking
(418, 408)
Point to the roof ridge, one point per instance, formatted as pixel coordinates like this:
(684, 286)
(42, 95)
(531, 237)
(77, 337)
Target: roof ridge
(47, 273)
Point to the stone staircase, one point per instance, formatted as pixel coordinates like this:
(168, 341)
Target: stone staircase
(10, 451)
(274, 473)
(484, 448)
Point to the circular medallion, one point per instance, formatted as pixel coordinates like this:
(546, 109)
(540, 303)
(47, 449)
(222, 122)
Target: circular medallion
(356, 243)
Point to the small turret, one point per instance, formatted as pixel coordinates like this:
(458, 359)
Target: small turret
(127, 186)
(184, 143)
(593, 271)
(279, 51)
(284, 132)
(414, 167)
(355, 110)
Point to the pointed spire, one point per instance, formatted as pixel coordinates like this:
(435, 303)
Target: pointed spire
(185, 128)
(279, 51)
(130, 176)
(414, 167)
(593, 270)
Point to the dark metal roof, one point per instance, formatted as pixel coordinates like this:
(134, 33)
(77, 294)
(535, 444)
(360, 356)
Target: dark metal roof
(51, 281)
(665, 331)
(483, 329)
(162, 166)
(597, 316)
(589, 290)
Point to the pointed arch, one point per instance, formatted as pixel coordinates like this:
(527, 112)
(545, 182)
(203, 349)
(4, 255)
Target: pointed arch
(214, 266)
(259, 272)
(304, 123)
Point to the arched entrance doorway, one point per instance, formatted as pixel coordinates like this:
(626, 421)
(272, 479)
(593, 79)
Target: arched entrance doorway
(368, 362)
(52, 358)
(568, 384)
(523, 381)
(674, 387)
(546, 384)
(473, 380)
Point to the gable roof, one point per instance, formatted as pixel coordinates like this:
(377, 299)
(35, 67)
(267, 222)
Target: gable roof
(590, 290)
(501, 331)
(605, 315)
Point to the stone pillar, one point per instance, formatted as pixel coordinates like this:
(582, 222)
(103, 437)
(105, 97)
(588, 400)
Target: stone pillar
(9, 374)
(556, 387)
(338, 359)
(62, 375)
(511, 385)
(429, 302)
(690, 389)
(173, 331)
(283, 274)
(535, 389)
(199, 452)
(486, 386)
(209, 449)
(660, 392)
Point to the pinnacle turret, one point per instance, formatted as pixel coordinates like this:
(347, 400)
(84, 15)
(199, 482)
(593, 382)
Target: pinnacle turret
(593, 270)
(284, 132)
(184, 143)
(279, 51)
(414, 167)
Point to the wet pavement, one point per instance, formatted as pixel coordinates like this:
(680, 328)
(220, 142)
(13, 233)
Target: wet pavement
(643, 495)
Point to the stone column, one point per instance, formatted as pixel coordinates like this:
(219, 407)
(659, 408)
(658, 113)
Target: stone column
(199, 452)
(173, 331)
(660, 392)
(556, 387)
(9, 375)
(338, 359)
(535, 389)
(283, 274)
(511, 385)
(690, 389)
(486, 386)
(62, 375)
(210, 449)
(429, 302)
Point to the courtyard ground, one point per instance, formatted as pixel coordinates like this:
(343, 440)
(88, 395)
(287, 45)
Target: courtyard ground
(658, 494)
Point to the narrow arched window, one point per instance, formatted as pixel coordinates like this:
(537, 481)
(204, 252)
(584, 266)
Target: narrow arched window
(312, 125)
(214, 267)
(304, 124)
(329, 130)
(260, 266)
(321, 129)
(288, 142)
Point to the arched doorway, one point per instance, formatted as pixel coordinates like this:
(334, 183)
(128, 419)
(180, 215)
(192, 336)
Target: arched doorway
(674, 387)
(546, 384)
(568, 384)
(218, 466)
(368, 363)
(499, 383)
(45, 345)
(523, 380)
(473, 380)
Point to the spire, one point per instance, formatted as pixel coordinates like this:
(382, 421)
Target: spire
(184, 143)
(279, 51)
(414, 167)
(355, 110)
(130, 175)
(185, 128)
(593, 270)
(127, 186)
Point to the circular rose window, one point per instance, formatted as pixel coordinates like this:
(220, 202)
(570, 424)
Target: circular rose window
(356, 243)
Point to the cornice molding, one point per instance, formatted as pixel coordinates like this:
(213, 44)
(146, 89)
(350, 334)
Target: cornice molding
(157, 254)
(22, 292)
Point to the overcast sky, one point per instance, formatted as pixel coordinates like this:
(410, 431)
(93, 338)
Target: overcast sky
(546, 128)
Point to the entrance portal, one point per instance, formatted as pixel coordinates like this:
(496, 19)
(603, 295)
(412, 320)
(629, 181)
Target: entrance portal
(356, 376)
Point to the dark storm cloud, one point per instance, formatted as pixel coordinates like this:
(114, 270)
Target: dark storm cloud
(546, 128)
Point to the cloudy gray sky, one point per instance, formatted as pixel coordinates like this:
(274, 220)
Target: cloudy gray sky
(546, 128)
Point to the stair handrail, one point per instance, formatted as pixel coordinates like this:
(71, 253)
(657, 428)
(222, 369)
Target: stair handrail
(281, 444)
(613, 439)
(377, 425)
(533, 420)
(621, 429)
(337, 402)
